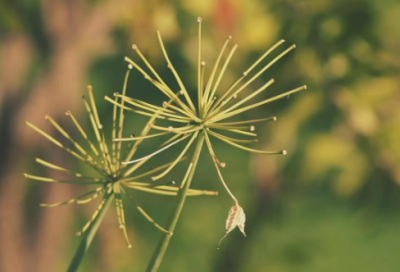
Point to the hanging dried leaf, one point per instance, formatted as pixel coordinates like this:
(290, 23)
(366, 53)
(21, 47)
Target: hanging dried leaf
(236, 218)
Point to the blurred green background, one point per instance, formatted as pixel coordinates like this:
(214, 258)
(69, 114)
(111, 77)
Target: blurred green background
(331, 204)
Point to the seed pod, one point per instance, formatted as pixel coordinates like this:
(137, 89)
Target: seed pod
(236, 218)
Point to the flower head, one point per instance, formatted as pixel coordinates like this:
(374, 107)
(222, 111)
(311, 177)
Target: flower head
(114, 178)
(210, 116)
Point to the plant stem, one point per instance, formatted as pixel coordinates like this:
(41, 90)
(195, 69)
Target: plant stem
(164, 242)
(88, 235)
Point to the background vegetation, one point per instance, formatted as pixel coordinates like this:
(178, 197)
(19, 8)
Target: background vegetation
(331, 204)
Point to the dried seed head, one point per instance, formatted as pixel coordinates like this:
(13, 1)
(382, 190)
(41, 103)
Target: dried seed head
(236, 218)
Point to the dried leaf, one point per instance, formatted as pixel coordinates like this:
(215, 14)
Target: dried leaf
(236, 218)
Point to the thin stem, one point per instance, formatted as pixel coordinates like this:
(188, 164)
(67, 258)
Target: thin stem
(163, 245)
(88, 235)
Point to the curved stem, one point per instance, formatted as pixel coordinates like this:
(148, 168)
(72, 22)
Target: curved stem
(164, 242)
(88, 235)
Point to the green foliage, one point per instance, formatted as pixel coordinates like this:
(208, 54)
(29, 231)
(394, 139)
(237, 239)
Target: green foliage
(331, 204)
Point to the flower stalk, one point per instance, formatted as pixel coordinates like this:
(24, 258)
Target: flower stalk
(87, 237)
(159, 252)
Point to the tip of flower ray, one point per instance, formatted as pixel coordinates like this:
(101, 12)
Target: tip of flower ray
(230, 37)
(25, 174)
(78, 233)
(199, 19)
(252, 128)
(134, 46)
(67, 113)
(305, 87)
(203, 63)
(46, 117)
(284, 152)
(129, 246)
(283, 40)
(274, 118)
(130, 67)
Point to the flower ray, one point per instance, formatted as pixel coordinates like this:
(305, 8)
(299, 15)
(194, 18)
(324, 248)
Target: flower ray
(178, 79)
(70, 201)
(222, 138)
(177, 159)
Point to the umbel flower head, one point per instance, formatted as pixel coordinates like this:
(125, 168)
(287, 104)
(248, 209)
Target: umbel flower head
(113, 178)
(210, 118)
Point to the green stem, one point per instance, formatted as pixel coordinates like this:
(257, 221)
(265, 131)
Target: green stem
(163, 245)
(88, 235)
